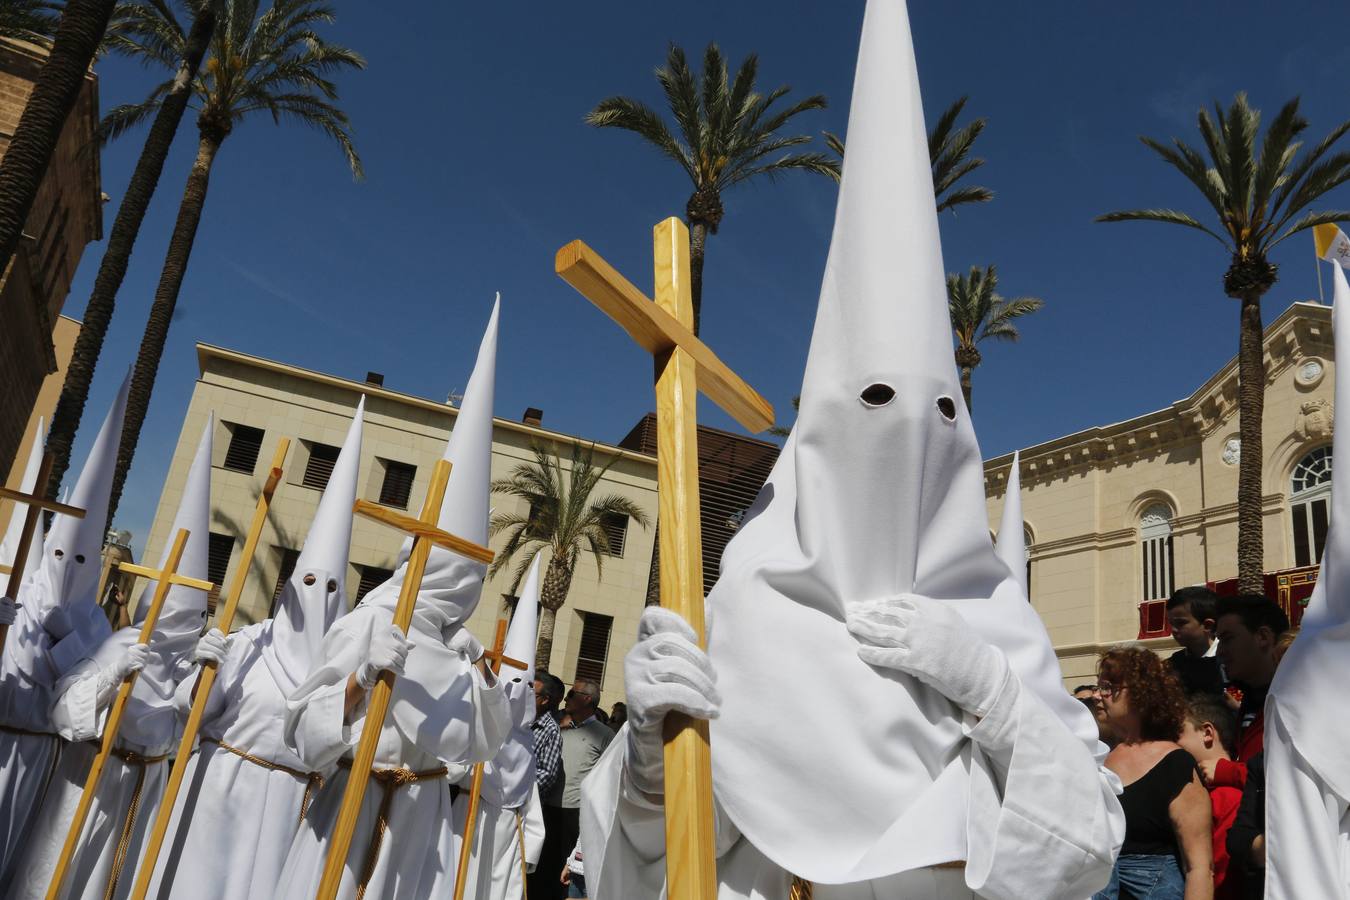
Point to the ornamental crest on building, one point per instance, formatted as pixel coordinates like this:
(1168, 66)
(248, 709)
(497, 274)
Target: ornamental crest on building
(1314, 419)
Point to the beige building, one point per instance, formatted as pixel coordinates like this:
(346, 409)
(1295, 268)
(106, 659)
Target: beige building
(67, 214)
(256, 402)
(1118, 516)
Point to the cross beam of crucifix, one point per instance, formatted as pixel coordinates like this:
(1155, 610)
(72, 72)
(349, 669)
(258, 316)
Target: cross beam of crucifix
(35, 502)
(425, 534)
(684, 366)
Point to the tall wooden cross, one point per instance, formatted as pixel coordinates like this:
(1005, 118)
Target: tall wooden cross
(684, 366)
(206, 677)
(425, 534)
(165, 578)
(495, 657)
(36, 503)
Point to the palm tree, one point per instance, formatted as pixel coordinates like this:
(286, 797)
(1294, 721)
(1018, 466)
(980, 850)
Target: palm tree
(145, 20)
(58, 85)
(274, 63)
(29, 20)
(949, 155)
(1255, 192)
(979, 313)
(728, 134)
(563, 519)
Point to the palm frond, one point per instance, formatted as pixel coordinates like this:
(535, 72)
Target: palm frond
(1170, 216)
(29, 20)
(642, 120)
(1312, 220)
(121, 119)
(819, 163)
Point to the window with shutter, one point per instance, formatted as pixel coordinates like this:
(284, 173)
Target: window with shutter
(218, 552)
(1309, 504)
(397, 487)
(594, 647)
(288, 558)
(371, 577)
(320, 466)
(245, 445)
(616, 529)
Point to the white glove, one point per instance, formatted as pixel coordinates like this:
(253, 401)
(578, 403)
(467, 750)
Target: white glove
(211, 648)
(9, 611)
(110, 679)
(665, 672)
(929, 640)
(388, 651)
(467, 644)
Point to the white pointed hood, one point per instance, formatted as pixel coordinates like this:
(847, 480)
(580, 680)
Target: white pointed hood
(452, 584)
(878, 491)
(150, 718)
(315, 595)
(507, 779)
(14, 532)
(1311, 678)
(71, 559)
(1011, 543)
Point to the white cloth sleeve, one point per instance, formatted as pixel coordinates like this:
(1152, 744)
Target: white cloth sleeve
(1307, 825)
(1042, 819)
(315, 728)
(532, 828)
(68, 651)
(75, 713)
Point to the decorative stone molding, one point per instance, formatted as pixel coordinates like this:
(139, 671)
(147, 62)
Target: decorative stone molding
(1309, 373)
(1313, 422)
(1232, 451)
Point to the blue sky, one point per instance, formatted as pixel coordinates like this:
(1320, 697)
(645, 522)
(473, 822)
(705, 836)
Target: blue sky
(479, 167)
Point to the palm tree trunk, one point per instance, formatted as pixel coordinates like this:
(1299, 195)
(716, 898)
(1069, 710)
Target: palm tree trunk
(161, 311)
(552, 596)
(130, 214)
(1251, 410)
(966, 372)
(698, 237)
(57, 87)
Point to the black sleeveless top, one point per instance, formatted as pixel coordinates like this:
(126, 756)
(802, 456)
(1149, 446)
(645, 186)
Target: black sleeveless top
(1148, 827)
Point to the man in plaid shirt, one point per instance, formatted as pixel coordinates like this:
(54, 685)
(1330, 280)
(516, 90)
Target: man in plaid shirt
(547, 737)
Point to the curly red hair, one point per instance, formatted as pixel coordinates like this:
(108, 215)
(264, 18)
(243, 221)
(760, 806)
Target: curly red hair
(1155, 693)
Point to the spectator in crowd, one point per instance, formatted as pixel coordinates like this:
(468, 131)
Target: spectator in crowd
(584, 739)
(1210, 732)
(1085, 692)
(618, 715)
(1167, 851)
(1249, 629)
(1091, 697)
(1192, 611)
(547, 737)
(553, 696)
(574, 874)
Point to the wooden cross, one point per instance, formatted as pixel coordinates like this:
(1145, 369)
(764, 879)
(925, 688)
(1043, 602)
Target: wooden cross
(425, 534)
(165, 578)
(684, 366)
(36, 503)
(206, 677)
(496, 656)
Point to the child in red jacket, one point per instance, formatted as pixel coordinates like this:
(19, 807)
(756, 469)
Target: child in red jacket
(1209, 733)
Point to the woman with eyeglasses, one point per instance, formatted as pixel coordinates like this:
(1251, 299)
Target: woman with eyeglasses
(1168, 853)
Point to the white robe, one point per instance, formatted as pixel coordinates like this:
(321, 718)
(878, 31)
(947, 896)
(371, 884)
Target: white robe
(1029, 832)
(506, 845)
(416, 855)
(242, 816)
(78, 720)
(1307, 823)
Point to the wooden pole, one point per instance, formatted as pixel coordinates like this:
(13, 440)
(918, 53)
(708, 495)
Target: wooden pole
(691, 861)
(476, 789)
(206, 678)
(378, 705)
(35, 505)
(114, 722)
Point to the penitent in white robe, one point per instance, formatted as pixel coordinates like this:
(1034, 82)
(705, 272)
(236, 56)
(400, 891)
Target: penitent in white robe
(128, 794)
(415, 858)
(1023, 819)
(506, 844)
(244, 815)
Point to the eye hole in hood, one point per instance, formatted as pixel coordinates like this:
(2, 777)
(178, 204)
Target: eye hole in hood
(877, 395)
(947, 407)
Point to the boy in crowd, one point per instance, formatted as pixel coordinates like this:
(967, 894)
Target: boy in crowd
(1249, 628)
(1192, 613)
(1209, 733)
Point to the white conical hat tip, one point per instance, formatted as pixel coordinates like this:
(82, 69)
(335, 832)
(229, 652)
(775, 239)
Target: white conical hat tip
(328, 544)
(465, 510)
(522, 638)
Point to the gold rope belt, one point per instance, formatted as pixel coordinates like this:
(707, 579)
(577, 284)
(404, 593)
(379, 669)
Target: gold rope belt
(313, 780)
(141, 763)
(524, 866)
(389, 781)
(803, 890)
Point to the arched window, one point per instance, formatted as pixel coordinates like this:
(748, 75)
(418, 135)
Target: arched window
(1310, 505)
(1026, 543)
(1155, 538)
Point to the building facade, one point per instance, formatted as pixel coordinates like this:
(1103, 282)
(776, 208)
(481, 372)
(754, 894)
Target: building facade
(67, 214)
(1118, 516)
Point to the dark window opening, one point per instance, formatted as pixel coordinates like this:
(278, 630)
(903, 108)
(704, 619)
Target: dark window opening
(594, 647)
(289, 558)
(319, 469)
(245, 445)
(396, 488)
(371, 578)
(616, 529)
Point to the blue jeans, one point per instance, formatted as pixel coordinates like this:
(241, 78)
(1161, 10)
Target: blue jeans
(1144, 877)
(577, 886)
